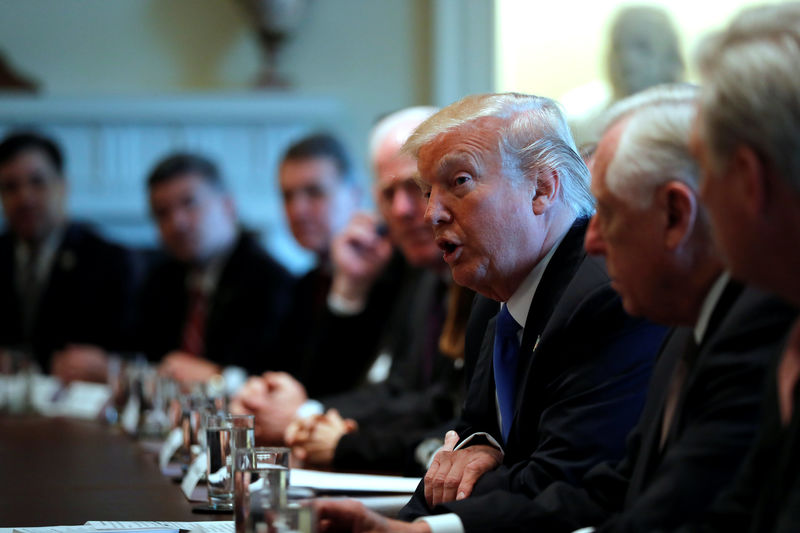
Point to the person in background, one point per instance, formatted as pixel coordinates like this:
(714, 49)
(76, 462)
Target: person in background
(216, 302)
(424, 333)
(747, 142)
(319, 197)
(67, 293)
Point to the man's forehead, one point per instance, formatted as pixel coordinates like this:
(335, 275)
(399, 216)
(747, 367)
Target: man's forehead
(607, 148)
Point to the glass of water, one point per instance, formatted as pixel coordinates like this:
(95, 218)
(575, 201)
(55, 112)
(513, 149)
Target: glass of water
(260, 490)
(224, 435)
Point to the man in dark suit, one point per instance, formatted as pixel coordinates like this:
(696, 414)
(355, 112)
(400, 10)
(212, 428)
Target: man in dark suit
(422, 333)
(746, 140)
(425, 380)
(218, 300)
(560, 371)
(320, 196)
(704, 401)
(66, 292)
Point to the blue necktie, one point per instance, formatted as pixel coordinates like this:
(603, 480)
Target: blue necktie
(506, 357)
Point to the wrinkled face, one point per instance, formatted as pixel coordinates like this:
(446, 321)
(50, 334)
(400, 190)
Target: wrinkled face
(317, 201)
(480, 208)
(729, 223)
(194, 219)
(626, 236)
(402, 206)
(32, 194)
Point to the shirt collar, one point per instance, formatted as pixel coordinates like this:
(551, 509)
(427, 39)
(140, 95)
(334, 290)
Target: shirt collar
(520, 302)
(710, 302)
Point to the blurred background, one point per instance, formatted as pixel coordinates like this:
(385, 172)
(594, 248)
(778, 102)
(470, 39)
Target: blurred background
(121, 83)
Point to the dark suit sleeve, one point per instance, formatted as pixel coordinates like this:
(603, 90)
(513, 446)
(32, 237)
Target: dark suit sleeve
(590, 407)
(592, 403)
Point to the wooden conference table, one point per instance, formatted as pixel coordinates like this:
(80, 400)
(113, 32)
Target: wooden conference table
(56, 471)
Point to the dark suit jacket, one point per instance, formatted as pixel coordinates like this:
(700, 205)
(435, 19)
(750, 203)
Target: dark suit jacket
(87, 299)
(765, 495)
(331, 353)
(714, 423)
(245, 312)
(583, 372)
(418, 395)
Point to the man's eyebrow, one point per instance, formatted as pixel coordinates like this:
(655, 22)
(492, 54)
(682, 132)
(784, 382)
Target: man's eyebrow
(422, 184)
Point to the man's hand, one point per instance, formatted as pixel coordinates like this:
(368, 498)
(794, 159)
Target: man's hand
(80, 362)
(314, 440)
(453, 474)
(274, 401)
(187, 369)
(349, 515)
(359, 254)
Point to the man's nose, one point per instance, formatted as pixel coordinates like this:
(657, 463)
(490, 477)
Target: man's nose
(593, 241)
(403, 204)
(435, 212)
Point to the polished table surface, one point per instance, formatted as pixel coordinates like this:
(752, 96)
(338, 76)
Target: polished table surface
(57, 471)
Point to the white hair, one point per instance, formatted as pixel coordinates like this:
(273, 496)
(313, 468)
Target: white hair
(535, 134)
(751, 95)
(399, 125)
(654, 145)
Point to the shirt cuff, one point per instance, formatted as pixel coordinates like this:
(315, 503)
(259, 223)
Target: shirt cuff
(443, 523)
(309, 408)
(344, 307)
(491, 440)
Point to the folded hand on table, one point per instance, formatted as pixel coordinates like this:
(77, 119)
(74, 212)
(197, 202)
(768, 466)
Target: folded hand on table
(274, 399)
(350, 515)
(186, 368)
(80, 362)
(453, 474)
(314, 439)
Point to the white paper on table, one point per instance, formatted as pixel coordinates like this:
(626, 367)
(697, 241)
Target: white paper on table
(196, 471)
(331, 481)
(83, 400)
(55, 529)
(170, 446)
(223, 526)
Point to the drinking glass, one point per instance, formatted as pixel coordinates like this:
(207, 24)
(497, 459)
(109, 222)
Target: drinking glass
(260, 490)
(224, 435)
(218, 471)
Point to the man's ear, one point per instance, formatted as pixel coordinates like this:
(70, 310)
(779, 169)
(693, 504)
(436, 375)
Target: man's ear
(547, 185)
(679, 204)
(748, 178)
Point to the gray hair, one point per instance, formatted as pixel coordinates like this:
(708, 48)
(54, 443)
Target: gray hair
(535, 134)
(400, 124)
(654, 146)
(752, 91)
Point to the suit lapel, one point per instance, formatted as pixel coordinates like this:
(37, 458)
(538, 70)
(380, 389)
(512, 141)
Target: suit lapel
(726, 301)
(650, 452)
(557, 276)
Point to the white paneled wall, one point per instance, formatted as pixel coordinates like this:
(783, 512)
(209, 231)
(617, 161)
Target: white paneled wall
(110, 144)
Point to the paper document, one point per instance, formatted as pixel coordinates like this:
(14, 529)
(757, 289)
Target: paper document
(336, 482)
(223, 526)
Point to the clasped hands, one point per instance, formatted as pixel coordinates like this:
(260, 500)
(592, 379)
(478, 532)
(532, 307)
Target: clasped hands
(314, 439)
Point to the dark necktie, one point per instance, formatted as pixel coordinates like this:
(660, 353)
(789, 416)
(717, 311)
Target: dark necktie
(193, 341)
(505, 360)
(682, 370)
(29, 291)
